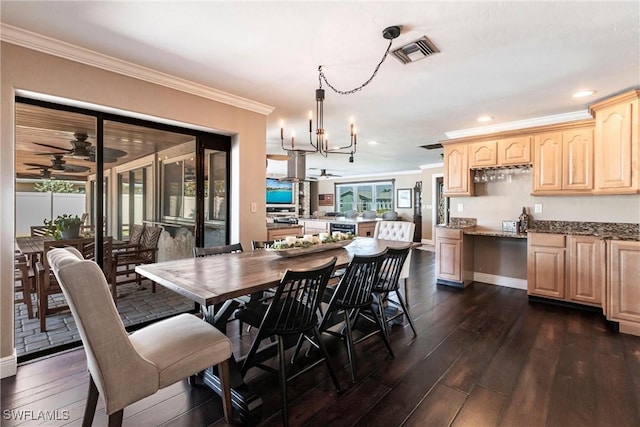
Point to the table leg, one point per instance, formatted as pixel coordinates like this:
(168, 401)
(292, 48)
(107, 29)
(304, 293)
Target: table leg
(244, 400)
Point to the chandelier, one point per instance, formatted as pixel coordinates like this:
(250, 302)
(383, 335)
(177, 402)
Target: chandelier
(320, 144)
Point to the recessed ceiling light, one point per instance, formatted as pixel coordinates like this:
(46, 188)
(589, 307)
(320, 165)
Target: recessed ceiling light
(583, 93)
(485, 118)
(373, 143)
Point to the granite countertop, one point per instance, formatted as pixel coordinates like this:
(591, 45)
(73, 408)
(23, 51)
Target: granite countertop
(341, 219)
(271, 225)
(603, 230)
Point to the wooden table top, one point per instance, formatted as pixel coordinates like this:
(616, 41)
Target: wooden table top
(215, 279)
(32, 245)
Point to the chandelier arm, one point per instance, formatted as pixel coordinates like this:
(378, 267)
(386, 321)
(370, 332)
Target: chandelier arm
(322, 77)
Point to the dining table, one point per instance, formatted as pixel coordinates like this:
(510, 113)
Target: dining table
(215, 282)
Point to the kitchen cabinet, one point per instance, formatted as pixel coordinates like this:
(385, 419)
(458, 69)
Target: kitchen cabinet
(483, 154)
(586, 270)
(281, 232)
(457, 176)
(617, 146)
(454, 257)
(546, 265)
(365, 229)
(515, 150)
(563, 161)
(623, 285)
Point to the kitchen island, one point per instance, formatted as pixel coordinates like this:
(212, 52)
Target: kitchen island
(360, 227)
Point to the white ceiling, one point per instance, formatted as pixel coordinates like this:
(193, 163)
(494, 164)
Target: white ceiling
(511, 60)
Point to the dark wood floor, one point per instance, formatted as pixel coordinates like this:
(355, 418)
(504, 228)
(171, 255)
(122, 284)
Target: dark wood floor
(484, 356)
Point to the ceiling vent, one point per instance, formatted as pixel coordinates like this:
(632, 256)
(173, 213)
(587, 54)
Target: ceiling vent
(415, 51)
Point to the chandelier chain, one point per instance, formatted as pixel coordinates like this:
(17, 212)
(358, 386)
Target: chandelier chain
(322, 77)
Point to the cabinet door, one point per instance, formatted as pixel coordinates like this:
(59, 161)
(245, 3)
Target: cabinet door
(366, 229)
(616, 145)
(545, 265)
(482, 154)
(457, 178)
(448, 259)
(586, 269)
(577, 156)
(547, 163)
(624, 281)
(514, 151)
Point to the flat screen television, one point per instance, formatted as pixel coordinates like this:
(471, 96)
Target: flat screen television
(279, 193)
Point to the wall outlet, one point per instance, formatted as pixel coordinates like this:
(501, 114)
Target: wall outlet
(460, 207)
(537, 208)
(254, 207)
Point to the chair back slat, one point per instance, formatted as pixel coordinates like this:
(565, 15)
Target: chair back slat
(261, 244)
(391, 268)
(355, 286)
(149, 240)
(217, 250)
(135, 234)
(294, 306)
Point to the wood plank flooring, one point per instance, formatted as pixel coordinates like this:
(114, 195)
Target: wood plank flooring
(484, 356)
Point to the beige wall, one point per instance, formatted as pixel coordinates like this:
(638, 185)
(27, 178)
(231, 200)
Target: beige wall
(34, 71)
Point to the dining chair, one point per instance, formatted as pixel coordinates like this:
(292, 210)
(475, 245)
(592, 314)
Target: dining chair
(199, 252)
(400, 231)
(351, 296)
(292, 314)
(127, 257)
(261, 244)
(127, 368)
(24, 283)
(388, 281)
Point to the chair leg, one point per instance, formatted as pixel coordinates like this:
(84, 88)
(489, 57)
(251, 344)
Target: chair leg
(92, 402)
(406, 312)
(26, 296)
(381, 299)
(350, 349)
(115, 419)
(382, 332)
(42, 303)
(406, 290)
(225, 386)
(283, 381)
(325, 354)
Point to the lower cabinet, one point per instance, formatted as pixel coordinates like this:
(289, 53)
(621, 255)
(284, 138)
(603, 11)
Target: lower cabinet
(569, 268)
(454, 254)
(366, 229)
(623, 285)
(281, 233)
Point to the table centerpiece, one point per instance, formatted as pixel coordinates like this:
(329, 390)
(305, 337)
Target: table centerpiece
(292, 246)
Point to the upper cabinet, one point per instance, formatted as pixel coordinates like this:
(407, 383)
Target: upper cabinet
(457, 176)
(514, 151)
(617, 151)
(483, 154)
(563, 161)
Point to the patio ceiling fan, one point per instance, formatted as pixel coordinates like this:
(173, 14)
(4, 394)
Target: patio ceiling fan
(82, 149)
(57, 164)
(45, 173)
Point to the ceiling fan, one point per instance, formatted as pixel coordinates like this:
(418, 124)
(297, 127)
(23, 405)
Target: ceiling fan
(82, 149)
(45, 173)
(58, 164)
(324, 175)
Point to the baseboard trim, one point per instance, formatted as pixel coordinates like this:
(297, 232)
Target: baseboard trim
(9, 365)
(507, 282)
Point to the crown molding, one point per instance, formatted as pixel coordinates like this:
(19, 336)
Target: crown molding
(520, 124)
(40, 43)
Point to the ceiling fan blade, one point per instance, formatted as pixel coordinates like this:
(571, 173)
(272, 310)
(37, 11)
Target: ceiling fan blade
(108, 152)
(54, 147)
(52, 154)
(73, 168)
(37, 166)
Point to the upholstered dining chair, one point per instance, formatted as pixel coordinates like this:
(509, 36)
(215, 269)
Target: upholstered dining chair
(401, 231)
(126, 368)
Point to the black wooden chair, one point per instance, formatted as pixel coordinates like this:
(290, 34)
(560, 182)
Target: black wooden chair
(261, 244)
(217, 250)
(292, 314)
(350, 297)
(388, 281)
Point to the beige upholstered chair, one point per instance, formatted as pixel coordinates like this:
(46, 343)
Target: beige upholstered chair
(401, 231)
(126, 368)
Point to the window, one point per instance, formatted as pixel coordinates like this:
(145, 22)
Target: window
(365, 196)
(179, 188)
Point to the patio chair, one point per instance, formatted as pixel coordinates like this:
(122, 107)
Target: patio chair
(291, 314)
(350, 298)
(46, 283)
(126, 368)
(127, 257)
(24, 283)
